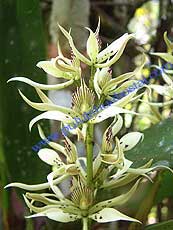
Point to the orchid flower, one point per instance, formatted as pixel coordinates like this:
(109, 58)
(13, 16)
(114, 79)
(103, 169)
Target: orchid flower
(97, 58)
(79, 207)
(62, 67)
(105, 85)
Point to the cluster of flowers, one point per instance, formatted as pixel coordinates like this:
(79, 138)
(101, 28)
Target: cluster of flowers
(89, 175)
(88, 115)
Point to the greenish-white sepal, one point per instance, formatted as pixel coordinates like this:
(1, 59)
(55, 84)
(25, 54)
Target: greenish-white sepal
(124, 100)
(35, 215)
(140, 171)
(117, 201)
(159, 104)
(96, 164)
(96, 83)
(75, 51)
(47, 106)
(168, 43)
(54, 145)
(43, 96)
(160, 89)
(60, 54)
(112, 49)
(167, 79)
(45, 198)
(110, 111)
(92, 46)
(165, 56)
(50, 68)
(137, 97)
(116, 51)
(57, 215)
(117, 125)
(84, 130)
(65, 67)
(61, 216)
(50, 157)
(51, 115)
(55, 188)
(129, 177)
(37, 186)
(114, 82)
(127, 88)
(147, 170)
(110, 215)
(98, 28)
(42, 86)
(129, 140)
(120, 172)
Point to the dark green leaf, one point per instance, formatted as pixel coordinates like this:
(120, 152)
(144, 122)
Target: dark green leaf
(157, 145)
(22, 45)
(167, 225)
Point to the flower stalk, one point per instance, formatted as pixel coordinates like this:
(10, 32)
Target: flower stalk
(89, 152)
(85, 224)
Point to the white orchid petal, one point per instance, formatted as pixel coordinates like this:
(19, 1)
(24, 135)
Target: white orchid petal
(116, 201)
(42, 86)
(96, 164)
(117, 125)
(51, 115)
(35, 215)
(43, 96)
(167, 79)
(50, 68)
(120, 172)
(55, 188)
(92, 46)
(160, 89)
(111, 49)
(147, 170)
(49, 156)
(109, 215)
(75, 51)
(110, 111)
(47, 106)
(165, 56)
(129, 140)
(61, 216)
(37, 186)
(96, 83)
(116, 56)
(57, 215)
(54, 145)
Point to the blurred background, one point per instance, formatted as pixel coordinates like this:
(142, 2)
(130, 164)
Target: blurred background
(29, 33)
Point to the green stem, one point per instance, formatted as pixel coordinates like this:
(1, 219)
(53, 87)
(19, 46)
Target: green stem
(89, 138)
(91, 82)
(85, 224)
(89, 152)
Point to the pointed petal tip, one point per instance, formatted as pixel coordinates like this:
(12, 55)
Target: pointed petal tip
(7, 186)
(11, 79)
